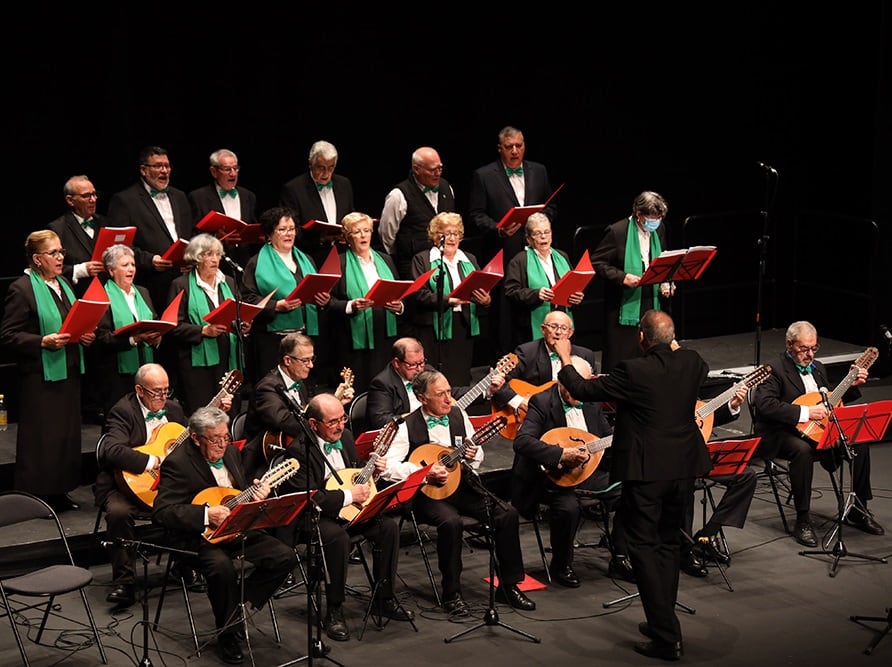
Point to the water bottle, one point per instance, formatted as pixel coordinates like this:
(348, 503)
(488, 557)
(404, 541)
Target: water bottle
(3, 413)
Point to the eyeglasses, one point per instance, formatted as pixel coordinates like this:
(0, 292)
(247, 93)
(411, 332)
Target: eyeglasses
(563, 328)
(229, 170)
(58, 252)
(287, 231)
(212, 253)
(159, 167)
(323, 168)
(541, 233)
(452, 235)
(361, 232)
(334, 423)
(433, 170)
(306, 361)
(220, 440)
(156, 393)
(88, 195)
(802, 349)
(417, 364)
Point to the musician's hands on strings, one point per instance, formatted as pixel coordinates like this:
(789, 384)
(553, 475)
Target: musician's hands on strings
(217, 515)
(572, 457)
(437, 475)
(261, 490)
(361, 492)
(862, 376)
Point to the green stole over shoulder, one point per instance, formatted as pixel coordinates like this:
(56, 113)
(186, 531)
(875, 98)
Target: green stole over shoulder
(536, 279)
(128, 360)
(630, 307)
(272, 274)
(207, 352)
(55, 362)
(466, 267)
(362, 326)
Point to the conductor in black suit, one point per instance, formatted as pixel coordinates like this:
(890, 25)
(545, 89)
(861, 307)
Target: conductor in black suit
(77, 229)
(319, 194)
(657, 453)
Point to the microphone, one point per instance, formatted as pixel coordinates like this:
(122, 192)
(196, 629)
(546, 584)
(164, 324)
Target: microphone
(825, 399)
(886, 333)
(442, 241)
(232, 263)
(767, 167)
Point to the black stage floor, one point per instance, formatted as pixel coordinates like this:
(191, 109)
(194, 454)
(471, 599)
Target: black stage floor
(784, 608)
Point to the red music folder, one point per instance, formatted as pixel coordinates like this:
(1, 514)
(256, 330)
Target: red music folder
(393, 496)
(219, 224)
(519, 214)
(573, 281)
(225, 313)
(384, 291)
(485, 279)
(314, 283)
(176, 251)
(271, 512)
(730, 457)
(325, 229)
(167, 322)
(864, 422)
(677, 265)
(83, 318)
(109, 236)
(246, 234)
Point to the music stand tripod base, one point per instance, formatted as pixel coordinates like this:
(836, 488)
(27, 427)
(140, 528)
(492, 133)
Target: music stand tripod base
(880, 633)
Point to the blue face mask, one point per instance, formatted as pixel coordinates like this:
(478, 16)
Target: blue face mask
(652, 225)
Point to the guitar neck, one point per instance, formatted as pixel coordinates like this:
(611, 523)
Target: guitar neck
(711, 406)
(474, 392)
(865, 360)
(599, 445)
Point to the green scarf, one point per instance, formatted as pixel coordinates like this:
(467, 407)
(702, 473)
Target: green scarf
(466, 268)
(207, 352)
(630, 308)
(128, 360)
(362, 326)
(55, 362)
(536, 279)
(272, 274)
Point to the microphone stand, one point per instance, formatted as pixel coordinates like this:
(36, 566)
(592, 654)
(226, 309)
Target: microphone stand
(239, 334)
(771, 179)
(441, 324)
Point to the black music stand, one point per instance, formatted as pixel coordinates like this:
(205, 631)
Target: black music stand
(849, 426)
(385, 500)
(880, 633)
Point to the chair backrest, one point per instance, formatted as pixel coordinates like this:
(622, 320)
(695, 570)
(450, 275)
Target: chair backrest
(100, 451)
(357, 414)
(237, 425)
(17, 507)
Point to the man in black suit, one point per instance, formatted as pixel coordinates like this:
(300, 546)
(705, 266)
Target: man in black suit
(795, 374)
(333, 443)
(208, 461)
(319, 194)
(409, 207)
(77, 230)
(161, 214)
(657, 453)
(226, 196)
(132, 422)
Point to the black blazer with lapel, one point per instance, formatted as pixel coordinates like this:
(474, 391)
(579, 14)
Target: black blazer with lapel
(78, 246)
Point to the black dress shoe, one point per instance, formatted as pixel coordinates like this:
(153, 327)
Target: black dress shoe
(456, 606)
(692, 566)
(123, 595)
(335, 625)
(645, 630)
(620, 567)
(654, 649)
(710, 548)
(514, 596)
(229, 650)
(565, 576)
(804, 534)
(391, 609)
(62, 503)
(864, 521)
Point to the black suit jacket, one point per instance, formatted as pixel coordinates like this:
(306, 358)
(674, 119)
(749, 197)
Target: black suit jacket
(534, 367)
(521, 296)
(491, 196)
(78, 246)
(301, 196)
(207, 198)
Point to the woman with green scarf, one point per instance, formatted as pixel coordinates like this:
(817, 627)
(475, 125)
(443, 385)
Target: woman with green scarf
(529, 278)
(205, 352)
(447, 328)
(48, 439)
(120, 356)
(365, 331)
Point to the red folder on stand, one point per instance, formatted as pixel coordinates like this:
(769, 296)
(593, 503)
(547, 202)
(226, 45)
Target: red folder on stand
(678, 265)
(730, 457)
(167, 322)
(109, 236)
(385, 291)
(485, 279)
(393, 496)
(326, 230)
(573, 281)
(225, 312)
(519, 214)
(271, 512)
(864, 422)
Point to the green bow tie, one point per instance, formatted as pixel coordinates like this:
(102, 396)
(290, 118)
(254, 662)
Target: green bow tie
(295, 386)
(89, 223)
(568, 407)
(509, 171)
(328, 446)
(409, 388)
(232, 193)
(552, 355)
(162, 191)
(429, 188)
(322, 186)
(805, 370)
(216, 464)
(435, 421)
(155, 415)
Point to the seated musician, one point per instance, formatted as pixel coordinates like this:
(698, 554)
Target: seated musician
(208, 462)
(337, 503)
(131, 423)
(778, 419)
(438, 421)
(539, 468)
(537, 363)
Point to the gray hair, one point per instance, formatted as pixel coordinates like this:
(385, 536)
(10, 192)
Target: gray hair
(199, 245)
(223, 152)
(114, 253)
(206, 418)
(650, 203)
(324, 150)
(423, 380)
(799, 329)
(68, 188)
(657, 327)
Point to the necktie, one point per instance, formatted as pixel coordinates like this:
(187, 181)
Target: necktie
(441, 421)
(568, 407)
(552, 355)
(328, 446)
(516, 172)
(155, 415)
(322, 186)
(89, 223)
(162, 191)
(232, 193)
(805, 370)
(216, 464)
(429, 188)
(295, 386)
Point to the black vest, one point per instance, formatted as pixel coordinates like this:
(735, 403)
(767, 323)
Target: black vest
(411, 237)
(416, 426)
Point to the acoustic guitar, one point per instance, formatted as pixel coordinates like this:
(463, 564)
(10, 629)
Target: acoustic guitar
(514, 418)
(450, 457)
(223, 495)
(705, 409)
(142, 486)
(567, 437)
(352, 476)
(813, 430)
(503, 366)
